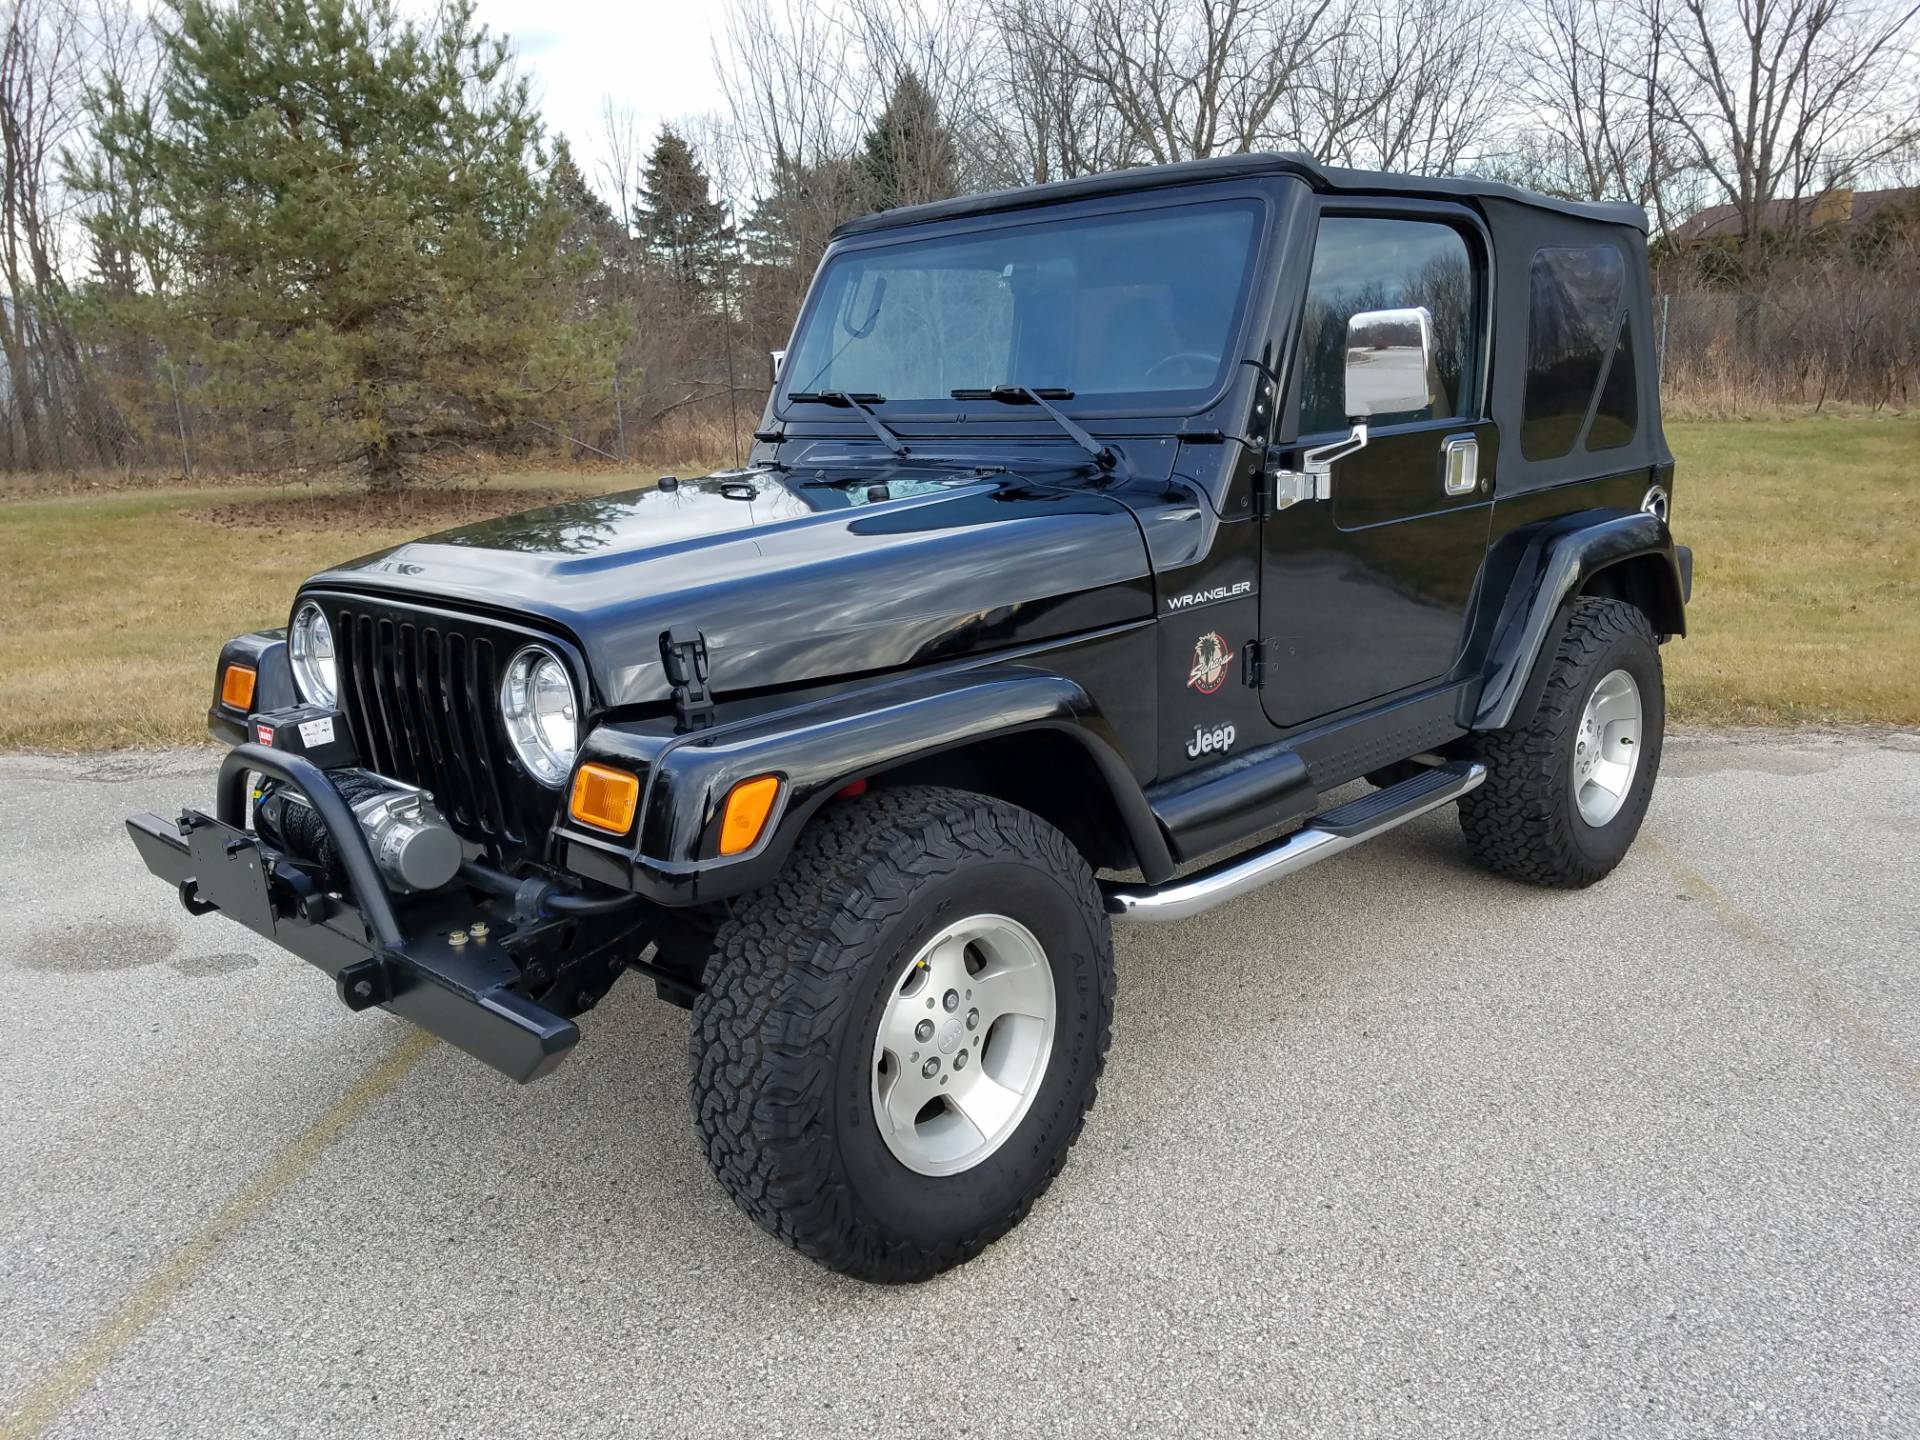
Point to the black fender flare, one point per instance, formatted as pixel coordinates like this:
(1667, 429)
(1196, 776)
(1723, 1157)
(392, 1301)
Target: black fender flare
(817, 749)
(1560, 561)
(273, 687)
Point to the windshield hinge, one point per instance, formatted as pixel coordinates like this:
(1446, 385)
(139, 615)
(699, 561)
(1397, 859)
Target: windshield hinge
(686, 666)
(1253, 663)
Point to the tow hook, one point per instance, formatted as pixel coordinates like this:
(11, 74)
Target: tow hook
(364, 984)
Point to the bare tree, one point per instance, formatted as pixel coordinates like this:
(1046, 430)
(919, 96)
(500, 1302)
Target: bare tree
(1399, 85)
(1774, 97)
(1592, 72)
(40, 93)
(1190, 78)
(1055, 121)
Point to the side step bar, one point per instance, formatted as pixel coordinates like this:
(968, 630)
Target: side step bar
(1325, 834)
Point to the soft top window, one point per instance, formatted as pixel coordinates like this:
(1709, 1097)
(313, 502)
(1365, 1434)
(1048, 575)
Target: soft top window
(1577, 340)
(1130, 308)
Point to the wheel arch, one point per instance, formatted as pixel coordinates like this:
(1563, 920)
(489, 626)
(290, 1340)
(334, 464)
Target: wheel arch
(1031, 737)
(1628, 557)
(1049, 771)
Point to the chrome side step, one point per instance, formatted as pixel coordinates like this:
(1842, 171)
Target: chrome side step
(1325, 834)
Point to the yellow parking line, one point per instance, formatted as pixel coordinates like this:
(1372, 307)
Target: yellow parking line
(47, 1401)
(1722, 907)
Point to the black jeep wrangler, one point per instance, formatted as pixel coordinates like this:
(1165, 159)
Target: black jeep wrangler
(1091, 530)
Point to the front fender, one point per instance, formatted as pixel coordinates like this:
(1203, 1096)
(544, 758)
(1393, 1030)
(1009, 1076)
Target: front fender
(1559, 561)
(816, 750)
(266, 652)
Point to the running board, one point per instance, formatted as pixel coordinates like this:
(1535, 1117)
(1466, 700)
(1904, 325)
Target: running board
(1325, 834)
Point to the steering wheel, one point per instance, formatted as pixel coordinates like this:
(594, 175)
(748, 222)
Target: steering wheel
(1204, 366)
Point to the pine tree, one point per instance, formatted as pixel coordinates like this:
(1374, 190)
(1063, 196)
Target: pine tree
(908, 157)
(683, 228)
(354, 239)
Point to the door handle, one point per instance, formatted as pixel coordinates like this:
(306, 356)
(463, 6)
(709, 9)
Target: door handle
(1460, 464)
(1314, 479)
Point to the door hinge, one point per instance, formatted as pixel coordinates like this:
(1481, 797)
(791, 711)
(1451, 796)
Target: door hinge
(1253, 663)
(1281, 487)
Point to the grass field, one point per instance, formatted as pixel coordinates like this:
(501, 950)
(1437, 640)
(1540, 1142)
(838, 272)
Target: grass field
(1806, 588)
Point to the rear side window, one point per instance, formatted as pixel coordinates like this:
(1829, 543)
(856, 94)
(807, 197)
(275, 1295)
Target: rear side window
(1366, 263)
(1577, 341)
(1617, 415)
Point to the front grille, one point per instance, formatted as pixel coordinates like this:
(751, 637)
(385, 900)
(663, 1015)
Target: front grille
(421, 692)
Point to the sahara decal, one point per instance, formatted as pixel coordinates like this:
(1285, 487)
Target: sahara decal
(1217, 740)
(1207, 597)
(1210, 660)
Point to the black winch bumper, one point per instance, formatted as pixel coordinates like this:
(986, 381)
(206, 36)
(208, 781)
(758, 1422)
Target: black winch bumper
(464, 993)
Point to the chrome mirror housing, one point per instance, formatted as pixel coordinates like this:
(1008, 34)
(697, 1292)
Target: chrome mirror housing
(1390, 362)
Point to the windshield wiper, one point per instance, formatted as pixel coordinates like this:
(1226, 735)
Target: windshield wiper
(856, 402)
(1103, 456)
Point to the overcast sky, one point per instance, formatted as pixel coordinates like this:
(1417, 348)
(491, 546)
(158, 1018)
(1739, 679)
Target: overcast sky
(654, 55)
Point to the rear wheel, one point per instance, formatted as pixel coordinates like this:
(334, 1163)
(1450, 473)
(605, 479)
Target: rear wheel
(1566, 792)
(898, 1040)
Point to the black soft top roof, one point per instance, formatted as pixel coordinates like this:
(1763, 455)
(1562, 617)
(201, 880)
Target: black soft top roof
(1328, 179)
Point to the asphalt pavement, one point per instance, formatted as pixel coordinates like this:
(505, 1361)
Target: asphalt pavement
(1392, 1148)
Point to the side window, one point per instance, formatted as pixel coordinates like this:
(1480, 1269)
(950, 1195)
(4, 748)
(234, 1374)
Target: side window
(1366, 263)
(1617, 415)
(1575, 323)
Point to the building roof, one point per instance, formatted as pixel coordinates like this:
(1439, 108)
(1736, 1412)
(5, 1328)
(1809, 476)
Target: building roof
(1324, 178)
(1833, 207)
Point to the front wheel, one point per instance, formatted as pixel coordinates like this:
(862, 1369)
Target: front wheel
(1566, 792)
(898, 1040)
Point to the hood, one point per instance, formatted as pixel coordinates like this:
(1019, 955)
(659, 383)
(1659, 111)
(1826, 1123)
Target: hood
(790, 579)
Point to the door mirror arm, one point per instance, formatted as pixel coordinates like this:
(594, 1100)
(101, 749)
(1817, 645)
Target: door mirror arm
(1313, 480)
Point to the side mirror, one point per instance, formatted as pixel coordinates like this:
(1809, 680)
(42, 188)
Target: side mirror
(775, 359)
(1390, 366)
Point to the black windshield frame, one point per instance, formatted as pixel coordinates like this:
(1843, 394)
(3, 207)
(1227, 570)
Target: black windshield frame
(1244, 322)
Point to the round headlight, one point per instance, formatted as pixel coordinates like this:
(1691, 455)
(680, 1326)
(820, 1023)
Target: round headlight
(536, 701)
(310, 644)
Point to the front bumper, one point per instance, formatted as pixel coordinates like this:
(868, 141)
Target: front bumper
(466, 994)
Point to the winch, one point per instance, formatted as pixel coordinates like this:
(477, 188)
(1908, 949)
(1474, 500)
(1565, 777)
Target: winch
(411, 841)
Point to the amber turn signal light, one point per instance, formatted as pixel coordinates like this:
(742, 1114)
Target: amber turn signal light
(748, 805)
(236, 687)
(605, 798)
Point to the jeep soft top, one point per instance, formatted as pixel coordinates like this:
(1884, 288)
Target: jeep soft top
(1093, 536)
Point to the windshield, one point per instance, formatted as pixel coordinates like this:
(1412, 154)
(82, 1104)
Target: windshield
(1135, 308)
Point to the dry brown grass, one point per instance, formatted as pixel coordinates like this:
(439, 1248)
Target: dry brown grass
(113, 603)
(1806, 605)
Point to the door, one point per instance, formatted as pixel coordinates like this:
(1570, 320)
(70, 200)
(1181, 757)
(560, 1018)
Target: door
(1367, 576)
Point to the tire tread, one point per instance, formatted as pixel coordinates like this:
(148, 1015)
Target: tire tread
(777, 996)
(1519, 821)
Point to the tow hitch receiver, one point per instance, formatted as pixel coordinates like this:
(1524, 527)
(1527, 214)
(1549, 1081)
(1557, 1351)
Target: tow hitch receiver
(463, 992)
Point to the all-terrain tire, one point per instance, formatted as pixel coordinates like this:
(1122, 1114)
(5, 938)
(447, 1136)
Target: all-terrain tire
(1523, 821)
(784, 1030)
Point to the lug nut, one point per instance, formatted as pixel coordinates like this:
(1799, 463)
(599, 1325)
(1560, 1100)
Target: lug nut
(973, 1019)
(960, 1061)
(932, 1067)
(951, 1000)
(923, 1031)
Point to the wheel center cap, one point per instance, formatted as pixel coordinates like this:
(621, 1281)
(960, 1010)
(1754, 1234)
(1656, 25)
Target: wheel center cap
(950, 1034)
